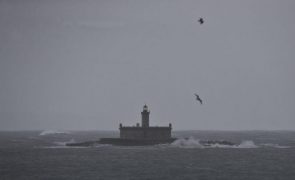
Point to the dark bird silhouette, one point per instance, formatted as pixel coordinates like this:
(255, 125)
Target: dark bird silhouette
(201, 21)
(198, 98)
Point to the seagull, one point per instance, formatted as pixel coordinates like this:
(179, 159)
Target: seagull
(198, 98)
(201, 21)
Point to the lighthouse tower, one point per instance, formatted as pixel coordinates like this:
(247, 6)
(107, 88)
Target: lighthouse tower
(144, 134)
(145, 117)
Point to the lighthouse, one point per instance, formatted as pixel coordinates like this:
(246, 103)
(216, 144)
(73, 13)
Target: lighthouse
(145, 117)
(145, 132)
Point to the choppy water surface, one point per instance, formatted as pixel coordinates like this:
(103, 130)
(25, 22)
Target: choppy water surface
(43, 155)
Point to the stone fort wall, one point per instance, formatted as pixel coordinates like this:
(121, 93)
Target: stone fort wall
(145, 133)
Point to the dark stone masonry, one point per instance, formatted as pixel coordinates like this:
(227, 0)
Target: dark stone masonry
(145, 131)
(136, 135)
(141, 135)
(146, 135)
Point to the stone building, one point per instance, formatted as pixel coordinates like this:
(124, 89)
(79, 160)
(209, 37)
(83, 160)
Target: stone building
(145, 131)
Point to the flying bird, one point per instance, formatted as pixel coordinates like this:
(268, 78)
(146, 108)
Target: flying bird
(198, 98)
(201, 20)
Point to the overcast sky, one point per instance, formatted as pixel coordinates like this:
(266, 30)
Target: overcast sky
(87, 65)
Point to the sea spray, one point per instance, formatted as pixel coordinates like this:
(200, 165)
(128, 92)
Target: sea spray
(187, 143)
(196, 143)
(52, 132)
(247, 144)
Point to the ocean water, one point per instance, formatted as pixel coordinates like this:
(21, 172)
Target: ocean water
(43, 155)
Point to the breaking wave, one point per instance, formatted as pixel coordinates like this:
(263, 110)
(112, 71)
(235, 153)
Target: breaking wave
(247, 144)
(64, 143)
(60, 147)
(195, 143)
(52, 132)
(273, 145)
(187, 143)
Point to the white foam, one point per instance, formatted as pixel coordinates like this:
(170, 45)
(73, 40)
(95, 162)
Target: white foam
(102, 145)
(273, 145)
(247, 144)
(195, 143)
(52, 132)
(217, 145)
(60, 147)
(64, 143)
(187, 143)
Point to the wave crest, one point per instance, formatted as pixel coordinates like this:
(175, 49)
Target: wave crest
(65, 143)
(187, 143)
(273, 145)
(247, 144)
(196, 143)
(52, 132)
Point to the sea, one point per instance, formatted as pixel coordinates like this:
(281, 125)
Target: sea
(256, 155)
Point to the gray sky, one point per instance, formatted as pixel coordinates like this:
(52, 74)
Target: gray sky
(69, 64)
